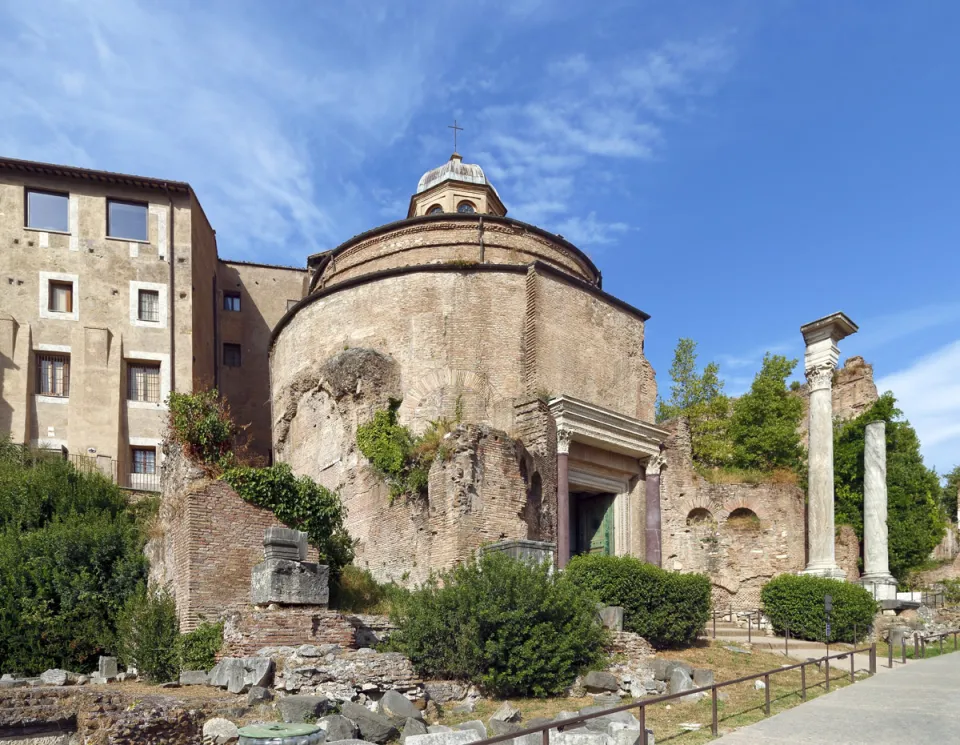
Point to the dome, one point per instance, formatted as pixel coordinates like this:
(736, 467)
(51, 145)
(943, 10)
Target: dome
(453, 170)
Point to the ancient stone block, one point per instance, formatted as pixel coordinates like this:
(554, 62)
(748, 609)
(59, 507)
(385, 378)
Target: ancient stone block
(596, 681)
(373, 727)
(507, 713)
(107, 667)
(289, 583)
(259, 695)
(412, 727)
(338, 728)
(397, 708)
(284, 543)
(194, 678)
(702, 678)
(300, 708)
(475, 725)
(457, 737)
(54, 677)
(219, 731)
(611, 616)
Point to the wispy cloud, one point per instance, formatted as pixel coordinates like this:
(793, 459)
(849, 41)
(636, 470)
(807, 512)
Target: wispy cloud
(928, 391)
(587, 114)
(203, 96)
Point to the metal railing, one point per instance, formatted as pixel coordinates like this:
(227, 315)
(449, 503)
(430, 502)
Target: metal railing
(642, 705)
(753, 620)
(122, 473)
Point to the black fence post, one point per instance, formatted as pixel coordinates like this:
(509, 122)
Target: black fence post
(715, 728)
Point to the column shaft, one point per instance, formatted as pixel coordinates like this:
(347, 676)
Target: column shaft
(652, 553)
(563, 511)
(876, 562)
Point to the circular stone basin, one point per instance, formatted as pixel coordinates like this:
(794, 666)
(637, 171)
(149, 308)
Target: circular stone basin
(281, 734)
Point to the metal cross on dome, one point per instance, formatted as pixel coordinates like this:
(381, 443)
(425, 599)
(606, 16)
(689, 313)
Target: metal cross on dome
(455, 129)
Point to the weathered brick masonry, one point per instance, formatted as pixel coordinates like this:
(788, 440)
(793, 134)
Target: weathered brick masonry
(248, 631)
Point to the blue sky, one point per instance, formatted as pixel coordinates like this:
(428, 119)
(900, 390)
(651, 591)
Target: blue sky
(735, 168)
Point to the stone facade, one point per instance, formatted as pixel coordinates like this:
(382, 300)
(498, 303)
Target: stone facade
(469, 317)
(740, 535)
(102, 332)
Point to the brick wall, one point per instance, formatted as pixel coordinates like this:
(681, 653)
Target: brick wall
(248, 630)
(847, 552)
(212, 541)
(739, 556)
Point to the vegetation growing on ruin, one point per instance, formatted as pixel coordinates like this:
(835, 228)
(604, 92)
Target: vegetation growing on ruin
(796, 602)
(756, 433)
(147, 634)
(915, 521)
(511, 627)
(202, 425)
(358, 592)
(402, 458)
(71, 553)
(197, 649)
(668, 609)
(298, 502)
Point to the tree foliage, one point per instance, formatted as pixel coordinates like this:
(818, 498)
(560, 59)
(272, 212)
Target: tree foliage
(949, 498)
(698, 397)
(197, 649)
(148, 633)
(202, 424)
(668, 609)
(298, 502)
(764, 422)
(914, 519)
(71, 553)
(512, 627)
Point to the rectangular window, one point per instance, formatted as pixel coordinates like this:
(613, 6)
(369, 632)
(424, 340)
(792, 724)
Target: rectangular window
(53, 375)
(143, 381)
(148, 305)
(231, 301)
(231, 355)
(48, 210)
(60, 297)
(126, 220)
(144, 460)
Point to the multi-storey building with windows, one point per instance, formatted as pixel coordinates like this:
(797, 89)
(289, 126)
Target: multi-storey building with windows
(112, 295)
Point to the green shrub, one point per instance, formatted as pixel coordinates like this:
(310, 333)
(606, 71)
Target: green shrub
(202, 425)
(197, 649)
(298, 502)
(147, 632)
(356, 591)
(795, 602)
(667, 609)
(513, 628)
(71, 553)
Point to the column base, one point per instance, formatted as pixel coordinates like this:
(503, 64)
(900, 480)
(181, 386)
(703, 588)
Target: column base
(881, 586)
(829, 571)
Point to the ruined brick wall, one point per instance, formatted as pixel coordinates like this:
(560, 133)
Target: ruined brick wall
(106, 717)
(251, 629)
(210, 538)
(847, 552)
(478, 494)
(739, 555)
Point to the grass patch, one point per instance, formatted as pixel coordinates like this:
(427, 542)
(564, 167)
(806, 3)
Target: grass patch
(744, 704)
(729, 475)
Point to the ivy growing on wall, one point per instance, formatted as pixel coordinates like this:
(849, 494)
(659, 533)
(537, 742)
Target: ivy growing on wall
(202, 425)
(300, 503)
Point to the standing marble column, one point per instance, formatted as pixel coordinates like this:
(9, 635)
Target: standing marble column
(563, 498)
(876, 563)
(820, 362)
(653, 532)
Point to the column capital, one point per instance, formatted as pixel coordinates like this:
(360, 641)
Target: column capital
(820, 377)
(655, 463)
(563, 441)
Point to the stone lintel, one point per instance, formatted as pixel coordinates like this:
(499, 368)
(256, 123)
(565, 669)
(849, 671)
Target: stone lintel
(605, 429)
(835, 327)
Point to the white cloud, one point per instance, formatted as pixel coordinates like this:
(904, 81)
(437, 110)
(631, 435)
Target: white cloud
(546, 153)
(928, 392)
(205, 95)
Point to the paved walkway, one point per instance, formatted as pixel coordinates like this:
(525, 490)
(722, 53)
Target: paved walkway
(915, 703)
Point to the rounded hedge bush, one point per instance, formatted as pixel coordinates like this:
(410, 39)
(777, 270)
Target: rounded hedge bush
(795, 602)
(667, 609)
(512, 627)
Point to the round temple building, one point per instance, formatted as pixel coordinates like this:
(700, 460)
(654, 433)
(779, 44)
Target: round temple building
(461, 313)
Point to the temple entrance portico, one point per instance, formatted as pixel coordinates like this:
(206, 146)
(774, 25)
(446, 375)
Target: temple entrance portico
(606, 491)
